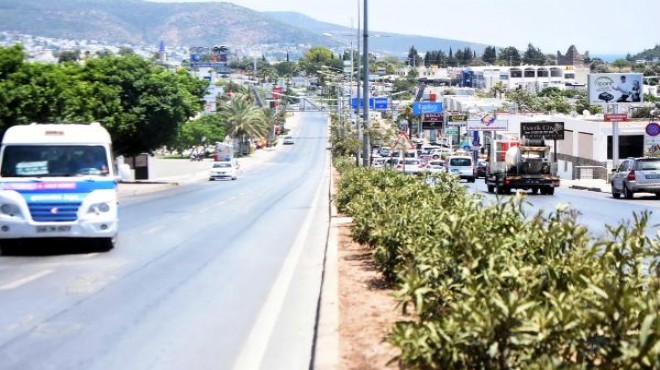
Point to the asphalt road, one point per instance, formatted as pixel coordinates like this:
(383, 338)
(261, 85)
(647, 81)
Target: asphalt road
(211, 275)
(596, 210)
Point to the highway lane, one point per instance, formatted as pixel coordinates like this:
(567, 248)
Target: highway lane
(212, 275)
(595, 210)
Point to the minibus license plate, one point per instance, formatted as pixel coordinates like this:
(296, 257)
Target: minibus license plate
(53, 228)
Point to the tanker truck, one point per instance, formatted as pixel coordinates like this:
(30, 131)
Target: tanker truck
(516, 165)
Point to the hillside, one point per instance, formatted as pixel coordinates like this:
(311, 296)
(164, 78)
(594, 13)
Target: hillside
(383, 41)
(138, 22)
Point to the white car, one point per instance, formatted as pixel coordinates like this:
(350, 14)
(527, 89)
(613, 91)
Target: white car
(461, 166)
(288, 140)
(224, 170)
(410, 165)
(436, 166)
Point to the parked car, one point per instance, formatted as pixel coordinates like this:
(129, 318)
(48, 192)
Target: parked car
(636, 175)
(288, 140)
(384, 152)
(378, 162)
(410, 165)
(224, 170)
(440, 153)
(461, 166)
(480, 169)
(436, 165)
(392, 162)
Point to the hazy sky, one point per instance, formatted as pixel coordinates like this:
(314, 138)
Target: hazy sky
(600, 26)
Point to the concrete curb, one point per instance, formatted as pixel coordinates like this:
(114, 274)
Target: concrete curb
(327, 353)
(580, 187)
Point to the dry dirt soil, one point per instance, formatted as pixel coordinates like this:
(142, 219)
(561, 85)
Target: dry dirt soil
(367, 309)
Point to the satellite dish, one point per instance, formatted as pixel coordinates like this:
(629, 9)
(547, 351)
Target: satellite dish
(586, 113)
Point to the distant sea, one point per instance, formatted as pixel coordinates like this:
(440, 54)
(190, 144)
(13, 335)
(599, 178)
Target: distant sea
(609, 58)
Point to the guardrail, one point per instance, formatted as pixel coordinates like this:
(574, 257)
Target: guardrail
(590, 172)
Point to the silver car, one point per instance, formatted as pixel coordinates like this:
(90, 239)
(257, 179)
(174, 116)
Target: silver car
(636, 175)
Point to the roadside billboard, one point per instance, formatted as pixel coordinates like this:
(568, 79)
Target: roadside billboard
(604, 88)
(481, 125)
(542, 130)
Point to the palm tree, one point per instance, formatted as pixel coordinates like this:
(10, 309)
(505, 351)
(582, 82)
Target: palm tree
(273, 118)
(407, 114)
(498, 89)
(242, 119)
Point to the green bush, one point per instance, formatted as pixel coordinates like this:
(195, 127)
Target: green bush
(487, 286)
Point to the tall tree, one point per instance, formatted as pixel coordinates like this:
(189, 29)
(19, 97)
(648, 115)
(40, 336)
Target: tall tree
(203, 131)
(490, 55)
(140, 103)
(242, 119)
(413, 57)
(509, 56)
(533, 56)
(316, 58)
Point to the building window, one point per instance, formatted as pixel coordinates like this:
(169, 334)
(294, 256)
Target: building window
(542, 73)
(569, 76)
(516, 73)
(530, 73)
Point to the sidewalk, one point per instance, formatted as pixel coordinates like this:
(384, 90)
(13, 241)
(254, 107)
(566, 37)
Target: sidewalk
(597, 185)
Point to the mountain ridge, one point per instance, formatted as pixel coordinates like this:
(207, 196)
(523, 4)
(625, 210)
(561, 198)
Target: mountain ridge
(140, 22)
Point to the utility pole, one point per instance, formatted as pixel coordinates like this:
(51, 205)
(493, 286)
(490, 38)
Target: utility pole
(365, 55)
(358, 125)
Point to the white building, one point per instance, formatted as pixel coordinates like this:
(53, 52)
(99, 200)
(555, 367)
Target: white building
(528, 77)
(586, 151)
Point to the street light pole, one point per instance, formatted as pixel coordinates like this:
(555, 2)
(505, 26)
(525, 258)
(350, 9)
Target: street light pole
(366, 149)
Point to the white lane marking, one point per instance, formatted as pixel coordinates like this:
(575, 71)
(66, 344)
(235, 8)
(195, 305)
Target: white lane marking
(254, 349)
(152, 230)
(25, 280)
(90, 255)
(230, 199)
(220, 203)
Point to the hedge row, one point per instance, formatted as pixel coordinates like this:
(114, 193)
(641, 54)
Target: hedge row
(487, 286)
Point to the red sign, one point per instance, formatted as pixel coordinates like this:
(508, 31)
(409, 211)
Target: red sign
(432, 117)
(401, 142)
(616, 117)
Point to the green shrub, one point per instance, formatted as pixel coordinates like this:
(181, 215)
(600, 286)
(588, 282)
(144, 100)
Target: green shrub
(487, 286)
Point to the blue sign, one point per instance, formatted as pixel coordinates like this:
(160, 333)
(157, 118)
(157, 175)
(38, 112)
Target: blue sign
(427, 107)
(379, 103)
(374, 103)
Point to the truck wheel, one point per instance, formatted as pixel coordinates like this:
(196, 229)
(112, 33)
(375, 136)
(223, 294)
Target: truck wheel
(491, 188)
(550, 191)
(535, 191)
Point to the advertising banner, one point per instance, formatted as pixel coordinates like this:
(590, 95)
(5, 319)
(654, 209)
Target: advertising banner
(481, 125)
(542, 130)
(432, 117)
(604, 88)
